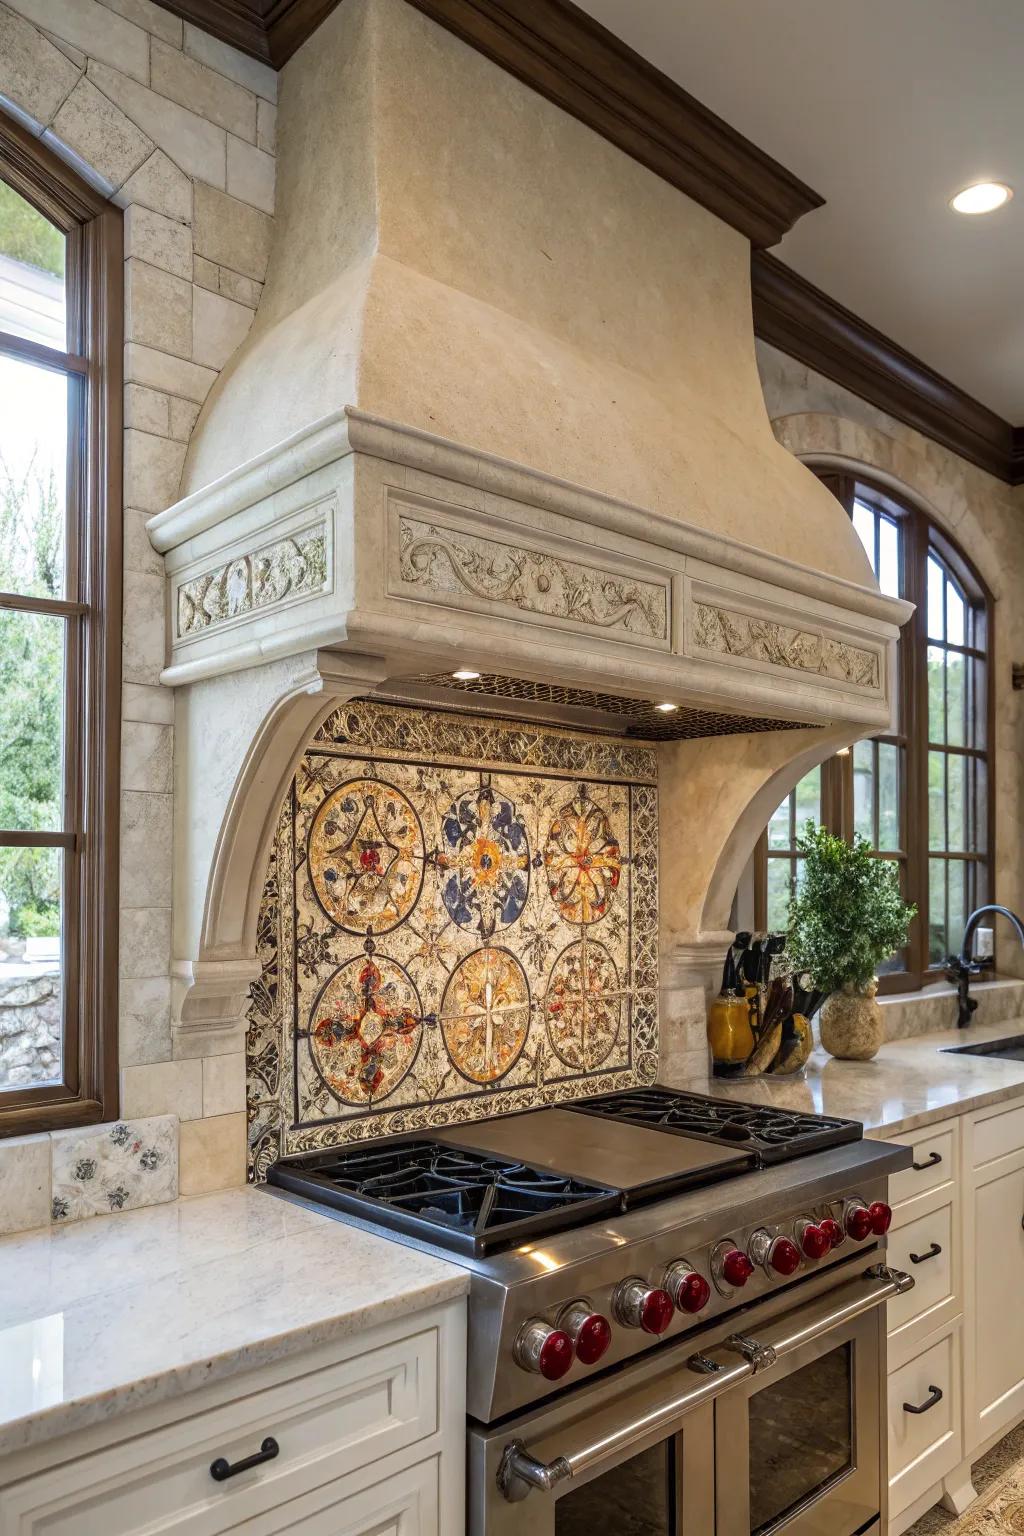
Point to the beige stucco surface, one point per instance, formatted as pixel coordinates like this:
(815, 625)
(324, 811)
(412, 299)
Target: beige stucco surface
(457, 254)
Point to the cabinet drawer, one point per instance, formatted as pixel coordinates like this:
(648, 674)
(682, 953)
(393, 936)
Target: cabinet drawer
(924, 1446)
(328, 1422)
(935, 1163)
(998, 1135)
(911, 1247)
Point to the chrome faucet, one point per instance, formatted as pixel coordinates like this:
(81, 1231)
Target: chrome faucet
(960, 968)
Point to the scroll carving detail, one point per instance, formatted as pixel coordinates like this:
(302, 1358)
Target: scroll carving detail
(289, 567)
(740, 634)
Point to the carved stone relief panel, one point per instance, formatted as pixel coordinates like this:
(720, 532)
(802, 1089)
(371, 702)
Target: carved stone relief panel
(273, 573)
(460, 920)
(726, 632)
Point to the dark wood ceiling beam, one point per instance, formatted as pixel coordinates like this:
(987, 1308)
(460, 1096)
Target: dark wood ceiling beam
(563, 54)
(796, 317)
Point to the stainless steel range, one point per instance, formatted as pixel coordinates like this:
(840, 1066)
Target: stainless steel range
(676, 1319)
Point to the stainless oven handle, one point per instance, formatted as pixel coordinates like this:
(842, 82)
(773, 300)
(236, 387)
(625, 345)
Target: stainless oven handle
(519, 1471)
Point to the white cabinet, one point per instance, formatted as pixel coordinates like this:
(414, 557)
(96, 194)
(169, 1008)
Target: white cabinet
(995, 1247)
(369, 1437)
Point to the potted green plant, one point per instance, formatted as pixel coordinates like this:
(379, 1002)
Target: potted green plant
(846, 918)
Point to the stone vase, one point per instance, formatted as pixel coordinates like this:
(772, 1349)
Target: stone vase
(851, 1023)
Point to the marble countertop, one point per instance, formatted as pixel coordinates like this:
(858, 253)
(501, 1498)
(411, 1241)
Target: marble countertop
(910, 1083)
(112, 1314)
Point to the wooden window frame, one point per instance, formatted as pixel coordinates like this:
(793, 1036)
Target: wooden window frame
(88, 1091)
(919, 535)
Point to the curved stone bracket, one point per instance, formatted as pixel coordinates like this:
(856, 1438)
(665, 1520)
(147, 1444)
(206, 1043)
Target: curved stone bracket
(241, 736)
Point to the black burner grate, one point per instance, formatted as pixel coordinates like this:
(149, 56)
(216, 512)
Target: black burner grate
(447, 1195)
(773, 1135)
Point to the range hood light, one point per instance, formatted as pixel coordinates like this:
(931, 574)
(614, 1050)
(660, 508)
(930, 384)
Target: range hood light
(466, 675)
(667, 709)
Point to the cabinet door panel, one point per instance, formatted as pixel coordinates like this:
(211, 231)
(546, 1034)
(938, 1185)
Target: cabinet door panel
(998, 1258)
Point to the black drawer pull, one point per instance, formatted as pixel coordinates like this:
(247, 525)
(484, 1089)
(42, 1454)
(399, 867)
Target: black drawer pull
(929, 1162)
(934, 1396)
(221, 1469)
(933, 1253)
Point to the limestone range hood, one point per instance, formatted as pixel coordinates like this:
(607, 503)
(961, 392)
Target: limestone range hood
(498, 410)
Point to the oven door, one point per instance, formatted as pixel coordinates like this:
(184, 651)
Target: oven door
(634, 1453)
(807, 1431)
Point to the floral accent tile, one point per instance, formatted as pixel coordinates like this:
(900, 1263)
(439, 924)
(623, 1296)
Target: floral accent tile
(119, 1167)
(459, 920)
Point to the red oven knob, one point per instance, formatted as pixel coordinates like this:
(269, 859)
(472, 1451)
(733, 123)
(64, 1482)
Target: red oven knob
(814, 1240)
(784, 1256)
(881, 1217)
(637, 1305)
(544, 1349)
(858, 1221)
(590, 1333)
(833, 1231)
(689, 1291)
(730, 1267)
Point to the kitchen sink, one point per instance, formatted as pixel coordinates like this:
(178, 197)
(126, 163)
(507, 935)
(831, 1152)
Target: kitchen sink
(1012, 1048)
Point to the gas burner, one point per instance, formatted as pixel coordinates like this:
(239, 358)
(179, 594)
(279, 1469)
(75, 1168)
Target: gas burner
(772, 1135)
(451, 1196)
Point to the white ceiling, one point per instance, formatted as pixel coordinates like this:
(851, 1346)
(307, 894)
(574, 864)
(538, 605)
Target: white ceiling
(886, 108)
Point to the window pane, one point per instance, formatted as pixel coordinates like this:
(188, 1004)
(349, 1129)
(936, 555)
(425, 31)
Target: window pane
(958, 907)
(956, 811)
(956, 695)
(33, 474)
(937, 800)
(864, 527)
(936, 617)
(938, 946)
(30, 967)
(888, 572)
(936, 693)
(864, 790)
(778, 827)
(898, 960)
(778, 892)
(955, 615)
(808, 798)
(31, 272)
(31, 720)
(888, 796)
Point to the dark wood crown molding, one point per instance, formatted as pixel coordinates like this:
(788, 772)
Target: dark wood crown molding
(566, 56)
(793, 315)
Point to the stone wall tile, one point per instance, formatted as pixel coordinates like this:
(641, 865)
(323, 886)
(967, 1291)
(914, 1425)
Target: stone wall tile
(153, 18)
(33, 73)
(175, 375)
(196, 146)
(212, 1154)
(157, 308)
(24, 1183)
(148, 410)
(119, 1167)
(145, 949)
(139, 555)
(229, 61)
(193, 85)
(160, 185)
(144, 1021)
(146, 756)
(231, 232)
(97, 31)
(219, 325)
(223, 1084)
(77, 57)
(266, 127)
(139, 702)
(160, 241)
(143, 642)
(184, 414)
(108, 144)
(163, 1088)
(146, 830)
(250, 174)
(206, 273)
(243, 289)
(152, 470)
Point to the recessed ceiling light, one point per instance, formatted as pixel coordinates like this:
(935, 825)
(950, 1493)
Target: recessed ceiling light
(981, 197)
(667, 709)
(465, 675)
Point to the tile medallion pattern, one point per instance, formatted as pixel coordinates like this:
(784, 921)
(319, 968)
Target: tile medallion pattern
(459, 920)
(118, 1167)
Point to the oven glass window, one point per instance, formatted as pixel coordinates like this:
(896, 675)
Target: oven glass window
(801, 1436)
(634, 1499)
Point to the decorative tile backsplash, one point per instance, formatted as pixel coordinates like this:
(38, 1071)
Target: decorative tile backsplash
(460, 919)
(105, 1168)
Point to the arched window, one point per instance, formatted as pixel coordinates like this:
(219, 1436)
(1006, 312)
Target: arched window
(921, 795)
(61, 258)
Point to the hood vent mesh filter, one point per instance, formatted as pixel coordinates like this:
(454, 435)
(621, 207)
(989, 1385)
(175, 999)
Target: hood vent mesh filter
(621, 716)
